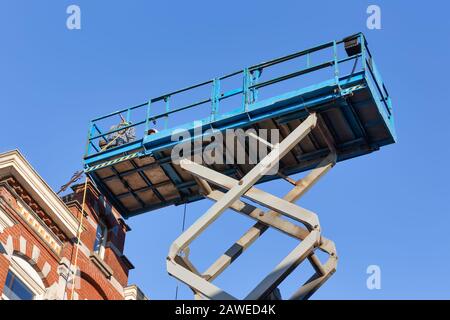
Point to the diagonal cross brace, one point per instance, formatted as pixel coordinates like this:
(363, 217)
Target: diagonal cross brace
(237, 190)
(179, 265)
(269, 219)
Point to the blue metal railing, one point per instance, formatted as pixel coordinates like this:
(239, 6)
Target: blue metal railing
(249, 90)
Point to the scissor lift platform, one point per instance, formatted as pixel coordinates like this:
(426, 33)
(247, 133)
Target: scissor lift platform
(347, 94)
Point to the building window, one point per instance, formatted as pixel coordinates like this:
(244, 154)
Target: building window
(22, 282)
(100, 239)
(16, 289)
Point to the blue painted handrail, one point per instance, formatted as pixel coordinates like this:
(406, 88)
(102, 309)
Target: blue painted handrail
(249, 90)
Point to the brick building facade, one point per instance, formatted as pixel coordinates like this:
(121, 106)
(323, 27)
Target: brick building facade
(38, 240)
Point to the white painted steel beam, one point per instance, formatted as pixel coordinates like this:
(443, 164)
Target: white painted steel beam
(239, 188)
(285, 267)
(269, 219)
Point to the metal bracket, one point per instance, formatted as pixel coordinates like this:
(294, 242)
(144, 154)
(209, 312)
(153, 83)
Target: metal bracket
(178, 264)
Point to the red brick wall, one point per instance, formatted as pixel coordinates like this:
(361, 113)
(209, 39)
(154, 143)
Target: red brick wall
(95, 210)
(46, 255)
(4, 265)
(93, 283)
(89, 274)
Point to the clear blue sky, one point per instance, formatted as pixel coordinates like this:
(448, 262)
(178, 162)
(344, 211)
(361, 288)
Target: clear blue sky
(389, 208)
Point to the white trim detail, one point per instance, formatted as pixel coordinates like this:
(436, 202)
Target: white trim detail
(116, 284)
(13, 163)
(84, 249)
(9, 246)
(5, 221)
(36, 252)
(133, 292)
(26, 273)
(23, 245)
(46, 269)
(91, 221)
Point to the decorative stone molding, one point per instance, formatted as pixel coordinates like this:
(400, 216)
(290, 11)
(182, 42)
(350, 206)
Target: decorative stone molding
(21, 267)
(103, 267)
(132, 292)
(116, 284)
(57, 290)
(6, 220)
(14, 203)
(46, 269)
(19, 247)
(8, 247)
(35, 253)
(23, 245)
(91, 222)
(83, 248)
(12, 163)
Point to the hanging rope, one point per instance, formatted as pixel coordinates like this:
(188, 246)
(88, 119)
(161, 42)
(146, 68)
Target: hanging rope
(182, 230)
(80, 228)
(80, 225)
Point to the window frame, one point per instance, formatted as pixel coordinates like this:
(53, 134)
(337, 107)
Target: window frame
(100, 251)
(20, 273)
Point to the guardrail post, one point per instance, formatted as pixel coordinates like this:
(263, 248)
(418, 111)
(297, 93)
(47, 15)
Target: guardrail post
(363, 52)
(215, 98)
(166, 120)
(254, 77)
(128, 116)
(245, 90)
(336, 63)
(90, 134)
(147, 119)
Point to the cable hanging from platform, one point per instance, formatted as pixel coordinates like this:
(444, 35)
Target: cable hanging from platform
(182, 230)
(83, 205)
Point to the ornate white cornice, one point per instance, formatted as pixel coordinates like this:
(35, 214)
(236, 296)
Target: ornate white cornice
(12, 163)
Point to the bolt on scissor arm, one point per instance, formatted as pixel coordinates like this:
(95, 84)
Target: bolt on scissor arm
(179, 265)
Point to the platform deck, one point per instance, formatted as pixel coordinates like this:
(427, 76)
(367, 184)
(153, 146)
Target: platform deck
(354, 109)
